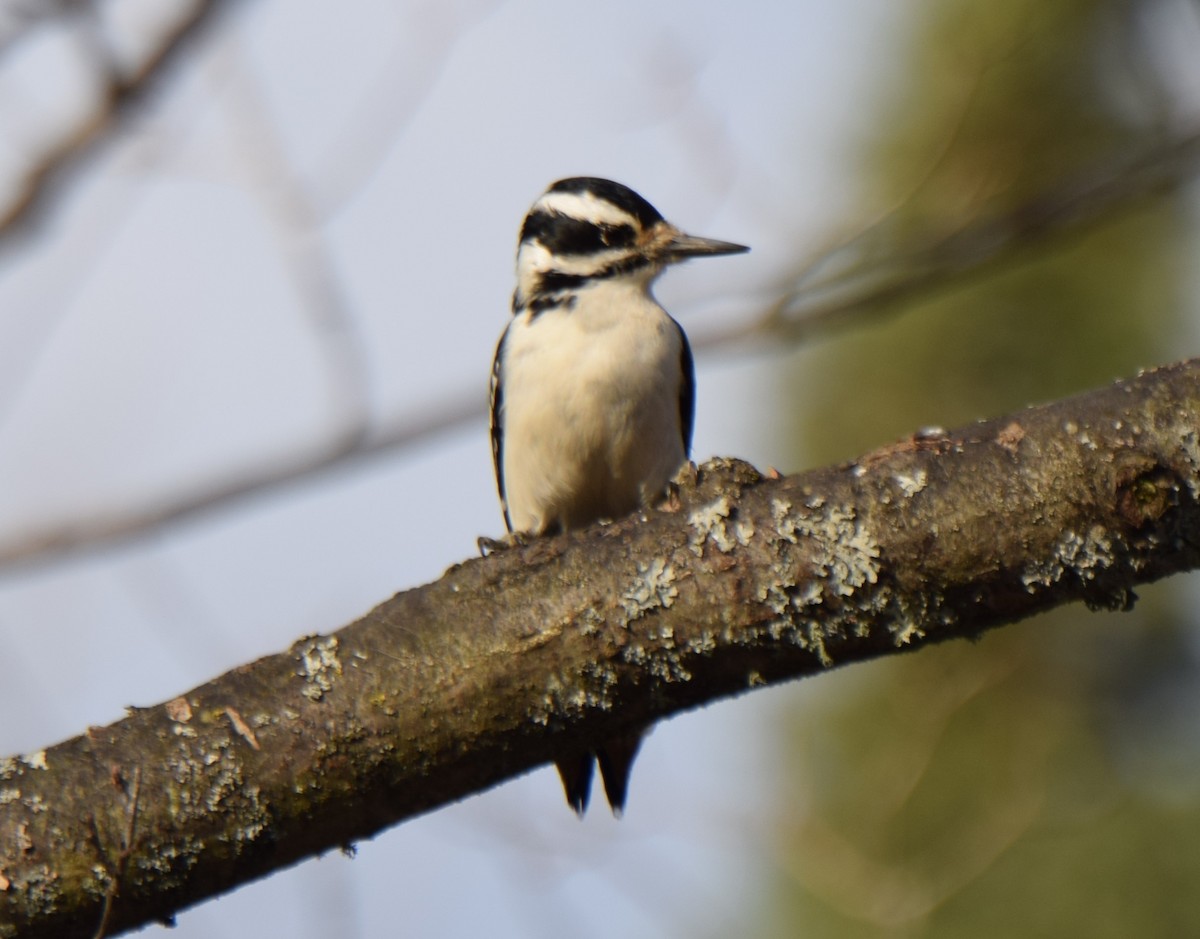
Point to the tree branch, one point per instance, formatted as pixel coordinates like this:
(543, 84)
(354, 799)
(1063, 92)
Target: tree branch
(510, 660)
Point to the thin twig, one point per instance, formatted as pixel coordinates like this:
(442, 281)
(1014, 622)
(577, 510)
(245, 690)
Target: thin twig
(59, 162)
(117, 872)
(287, 203)
(973, 250)
(58, 542)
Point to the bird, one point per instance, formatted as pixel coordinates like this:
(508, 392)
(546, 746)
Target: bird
(592, 388)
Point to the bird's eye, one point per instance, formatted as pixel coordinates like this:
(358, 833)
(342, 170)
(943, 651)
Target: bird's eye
(616, 236)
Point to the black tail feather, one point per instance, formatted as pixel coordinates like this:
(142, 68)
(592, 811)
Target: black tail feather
(576, 775)
(616, 762)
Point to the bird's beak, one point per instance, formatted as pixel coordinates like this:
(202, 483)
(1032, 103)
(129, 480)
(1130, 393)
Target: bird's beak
(681, 246)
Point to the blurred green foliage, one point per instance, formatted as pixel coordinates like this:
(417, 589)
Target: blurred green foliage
(1046, 780)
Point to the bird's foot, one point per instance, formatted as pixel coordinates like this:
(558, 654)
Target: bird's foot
(514, 539)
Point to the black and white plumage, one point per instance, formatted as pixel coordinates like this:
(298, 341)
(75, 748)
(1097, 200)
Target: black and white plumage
(592, 386)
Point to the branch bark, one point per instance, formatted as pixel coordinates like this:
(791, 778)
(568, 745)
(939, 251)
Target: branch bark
(508, 661)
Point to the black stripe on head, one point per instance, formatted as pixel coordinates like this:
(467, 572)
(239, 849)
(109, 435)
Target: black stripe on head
(621, 196)
(563, 235)
(557, 284)
(625, 265)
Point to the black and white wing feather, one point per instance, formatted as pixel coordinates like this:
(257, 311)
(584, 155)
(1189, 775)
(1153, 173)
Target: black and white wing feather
(687, 392)
(496, 422)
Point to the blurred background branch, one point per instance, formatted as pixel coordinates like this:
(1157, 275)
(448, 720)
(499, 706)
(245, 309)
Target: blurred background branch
(120, 89)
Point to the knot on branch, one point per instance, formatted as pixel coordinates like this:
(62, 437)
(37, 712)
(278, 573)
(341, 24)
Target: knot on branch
(1145, 493)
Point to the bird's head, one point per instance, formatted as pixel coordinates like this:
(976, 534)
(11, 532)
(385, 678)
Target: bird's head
(585, 230)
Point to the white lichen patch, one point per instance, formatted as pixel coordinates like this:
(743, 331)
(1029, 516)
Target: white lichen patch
(589, 621)
(711, 523)
(814, 641)
(653, 588)
(1091, 554)
(35, 760)
(905, 624)
(669, 668)
(777, 597)
(1191, 451)
(788, 602)
(42, 889)
(601, 679)
(1082, 555)
(846, 554)
(211, 780)
(665, 662)
(319, 666)
(257, 819)
(844, 551)
(96, 886)
(702, 644)
(549, 703)
(905, 631)
(9, 795)
(911, 485)
(842, 556)
(811, 594)
(785, 522)
(591, 690)
(743, 531)
(706, 518)
(171, 860)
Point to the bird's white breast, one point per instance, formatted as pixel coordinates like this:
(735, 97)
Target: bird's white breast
(591, 410)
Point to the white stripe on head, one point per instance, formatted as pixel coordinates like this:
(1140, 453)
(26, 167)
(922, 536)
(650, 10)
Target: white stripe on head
(585, 206)
(534, 257)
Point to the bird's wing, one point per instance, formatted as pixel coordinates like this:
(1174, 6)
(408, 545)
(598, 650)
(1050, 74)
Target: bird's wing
(687, 392)
(496, 410)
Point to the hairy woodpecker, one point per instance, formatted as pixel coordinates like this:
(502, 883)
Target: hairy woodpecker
(592, 390)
